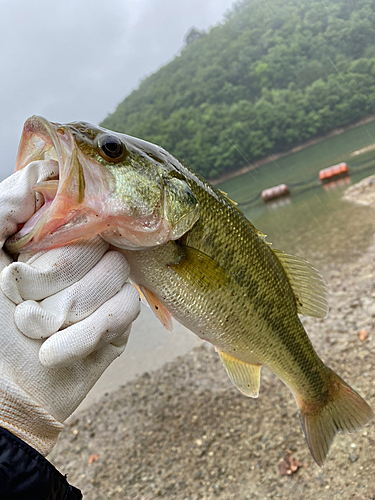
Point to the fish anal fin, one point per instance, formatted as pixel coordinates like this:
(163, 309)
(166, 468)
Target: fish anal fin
(245, 376)
(160, 311)
(307, 284)
(343, 410)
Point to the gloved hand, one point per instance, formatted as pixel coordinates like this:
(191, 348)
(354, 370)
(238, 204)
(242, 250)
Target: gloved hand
(65, 315)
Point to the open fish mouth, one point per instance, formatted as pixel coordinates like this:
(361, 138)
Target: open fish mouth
(63, 217)
(132, 202)
(39, 141)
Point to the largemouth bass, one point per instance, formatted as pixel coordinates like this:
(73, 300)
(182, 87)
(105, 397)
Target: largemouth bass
(195, 257)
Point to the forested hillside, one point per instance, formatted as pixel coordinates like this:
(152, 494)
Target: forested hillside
(274, 74)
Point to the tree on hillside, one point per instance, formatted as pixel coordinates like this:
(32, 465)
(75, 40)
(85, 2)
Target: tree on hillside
(270, 76)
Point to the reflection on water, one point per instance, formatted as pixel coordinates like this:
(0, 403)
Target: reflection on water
(333, 185)
(279, 202)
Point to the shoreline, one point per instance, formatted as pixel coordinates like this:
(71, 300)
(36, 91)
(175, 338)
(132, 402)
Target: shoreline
(277, 156)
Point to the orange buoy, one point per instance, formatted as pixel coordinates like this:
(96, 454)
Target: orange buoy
(332, 173)
(275, 192)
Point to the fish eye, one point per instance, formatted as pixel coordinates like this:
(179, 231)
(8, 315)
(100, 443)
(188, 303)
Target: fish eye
(112, 147)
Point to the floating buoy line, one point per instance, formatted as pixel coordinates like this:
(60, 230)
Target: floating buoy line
(329, 178)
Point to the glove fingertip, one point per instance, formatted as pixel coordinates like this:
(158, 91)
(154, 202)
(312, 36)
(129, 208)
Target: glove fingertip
(34, 321)
(9, 282)
(51, 359)
(45, 358)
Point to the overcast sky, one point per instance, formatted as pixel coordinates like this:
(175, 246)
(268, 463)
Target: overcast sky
(77, 59)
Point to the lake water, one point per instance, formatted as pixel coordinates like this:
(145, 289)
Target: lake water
(314, 223)
(317, 224)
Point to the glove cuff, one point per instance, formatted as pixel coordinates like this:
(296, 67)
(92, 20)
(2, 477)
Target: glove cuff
(23, 417)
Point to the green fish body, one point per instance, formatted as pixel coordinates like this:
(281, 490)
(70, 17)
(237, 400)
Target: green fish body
(207, 266)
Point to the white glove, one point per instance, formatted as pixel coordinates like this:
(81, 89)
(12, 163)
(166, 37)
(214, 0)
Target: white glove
(74, 311)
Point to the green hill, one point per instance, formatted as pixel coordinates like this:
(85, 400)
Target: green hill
(274, 74)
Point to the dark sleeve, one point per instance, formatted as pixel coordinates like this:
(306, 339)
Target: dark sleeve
(25, 473)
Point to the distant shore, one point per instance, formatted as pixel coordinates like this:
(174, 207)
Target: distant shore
(274, 157)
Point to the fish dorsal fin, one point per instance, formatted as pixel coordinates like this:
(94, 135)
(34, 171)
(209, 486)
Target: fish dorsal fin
(244, 376)
(260, 235)
(227, 197)
(160, 311)
(307, 284)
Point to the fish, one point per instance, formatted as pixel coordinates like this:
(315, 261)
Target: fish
(194, 257)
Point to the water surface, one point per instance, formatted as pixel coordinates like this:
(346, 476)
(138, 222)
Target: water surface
(318, 225)
(315, 222)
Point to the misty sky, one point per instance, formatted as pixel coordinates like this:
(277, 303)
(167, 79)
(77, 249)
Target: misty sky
(76, 60)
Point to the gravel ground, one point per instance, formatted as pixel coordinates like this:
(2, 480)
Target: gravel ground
(363, 192)
(184, 432)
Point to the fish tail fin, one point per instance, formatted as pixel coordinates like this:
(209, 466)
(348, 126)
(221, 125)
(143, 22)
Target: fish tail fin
(342, 410)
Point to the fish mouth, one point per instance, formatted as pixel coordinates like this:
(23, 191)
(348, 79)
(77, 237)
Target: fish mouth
(39, 141)
(85, 199)
(46, 141)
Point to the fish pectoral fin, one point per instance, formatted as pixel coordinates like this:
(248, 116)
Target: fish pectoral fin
(200, 269)
(160, 311)
(245, 376)
(307, 284)
(141, 294)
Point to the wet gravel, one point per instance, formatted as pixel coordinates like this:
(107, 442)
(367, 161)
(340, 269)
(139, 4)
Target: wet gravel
(184, 432)
(362, 193)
